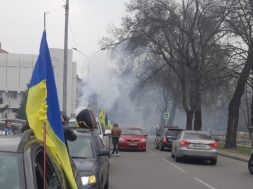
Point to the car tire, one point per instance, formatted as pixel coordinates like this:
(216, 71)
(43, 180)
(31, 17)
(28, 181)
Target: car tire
(144, 150)
(177, 159)
(213, 161)
(250, 165)
(161, 148)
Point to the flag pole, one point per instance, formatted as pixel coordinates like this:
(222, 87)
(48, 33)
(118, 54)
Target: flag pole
(45, 130)
(45, 146)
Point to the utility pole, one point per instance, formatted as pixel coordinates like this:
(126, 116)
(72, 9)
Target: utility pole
(64, 103)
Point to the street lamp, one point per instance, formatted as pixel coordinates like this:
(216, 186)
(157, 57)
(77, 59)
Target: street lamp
(89, 59)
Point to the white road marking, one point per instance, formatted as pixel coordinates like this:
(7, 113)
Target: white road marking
(152, 152)
(201, 181)
(174, 165)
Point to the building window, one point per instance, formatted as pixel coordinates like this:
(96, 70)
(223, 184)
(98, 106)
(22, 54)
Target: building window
(12, 94)
(15, 110)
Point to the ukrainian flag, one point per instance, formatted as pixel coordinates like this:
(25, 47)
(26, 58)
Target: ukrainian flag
(101, 117)
(43, 107)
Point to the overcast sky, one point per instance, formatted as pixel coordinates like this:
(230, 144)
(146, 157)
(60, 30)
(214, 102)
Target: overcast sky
(22, 23)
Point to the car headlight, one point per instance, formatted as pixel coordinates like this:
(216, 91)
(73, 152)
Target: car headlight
(121, 139)
(88, 179)
(143, 140)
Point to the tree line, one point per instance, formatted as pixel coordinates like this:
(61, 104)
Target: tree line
(193, 53)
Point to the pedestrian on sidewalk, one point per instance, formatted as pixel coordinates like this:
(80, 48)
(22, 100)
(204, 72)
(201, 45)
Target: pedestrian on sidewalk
(116, 132)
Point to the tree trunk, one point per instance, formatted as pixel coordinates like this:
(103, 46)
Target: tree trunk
(233, 111)
(198, 113)
(189, 118)
(172, 112)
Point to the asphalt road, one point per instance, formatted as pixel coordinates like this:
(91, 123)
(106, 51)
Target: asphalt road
(156, 169)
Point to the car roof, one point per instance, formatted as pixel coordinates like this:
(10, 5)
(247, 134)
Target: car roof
(194, 131)
(9, 143)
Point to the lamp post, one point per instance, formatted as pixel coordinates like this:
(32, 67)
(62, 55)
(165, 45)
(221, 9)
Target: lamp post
(89, 59)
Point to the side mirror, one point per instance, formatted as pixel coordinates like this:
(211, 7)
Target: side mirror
(108, 132)
(103, 152)
(145, 136)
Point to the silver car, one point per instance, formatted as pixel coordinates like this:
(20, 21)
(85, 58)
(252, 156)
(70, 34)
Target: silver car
(195, 144)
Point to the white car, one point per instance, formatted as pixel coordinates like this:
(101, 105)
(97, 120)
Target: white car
(103, 133)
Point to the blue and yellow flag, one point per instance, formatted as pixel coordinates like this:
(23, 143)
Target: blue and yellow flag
(101, 117)
(43, 106)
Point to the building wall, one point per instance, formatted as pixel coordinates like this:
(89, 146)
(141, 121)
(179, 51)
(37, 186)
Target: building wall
(16, 71)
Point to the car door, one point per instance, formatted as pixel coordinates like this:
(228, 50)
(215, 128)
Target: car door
(54, 175)
(103, 161)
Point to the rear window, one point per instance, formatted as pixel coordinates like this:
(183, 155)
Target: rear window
(198, 136)
(81, 148)
(131, 132)
(172, 133)
(9, 174)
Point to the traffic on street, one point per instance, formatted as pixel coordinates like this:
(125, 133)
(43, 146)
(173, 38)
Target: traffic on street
(157, 169)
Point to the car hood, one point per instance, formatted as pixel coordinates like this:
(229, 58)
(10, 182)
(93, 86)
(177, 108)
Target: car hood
(132, 137)
(86, 165)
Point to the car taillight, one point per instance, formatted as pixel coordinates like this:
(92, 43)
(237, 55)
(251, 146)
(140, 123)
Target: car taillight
(214, 145)
(184, 143)
(164, 139)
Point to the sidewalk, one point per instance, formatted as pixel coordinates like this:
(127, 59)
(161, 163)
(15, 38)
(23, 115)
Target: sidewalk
(233, 155)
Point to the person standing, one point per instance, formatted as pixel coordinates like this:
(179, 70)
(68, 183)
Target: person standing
(116, 132)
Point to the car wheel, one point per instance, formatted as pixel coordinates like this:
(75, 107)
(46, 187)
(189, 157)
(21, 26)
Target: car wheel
(161, 148)
(213, 161)
(177, 159)
(250, 165)
(155, 145)
(144, 150)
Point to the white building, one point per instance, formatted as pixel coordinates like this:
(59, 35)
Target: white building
(16, 71)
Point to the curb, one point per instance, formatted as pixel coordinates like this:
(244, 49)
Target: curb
(234, 157)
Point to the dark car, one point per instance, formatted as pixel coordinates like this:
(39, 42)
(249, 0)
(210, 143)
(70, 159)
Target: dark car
(250, 163)
(91, 159)
(165, 137)
(22, 161)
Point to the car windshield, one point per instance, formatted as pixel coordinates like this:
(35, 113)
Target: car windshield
(81, 148)
(198, 136)
(9, 174)
(172, 133)
(131, 132)
(97, 129)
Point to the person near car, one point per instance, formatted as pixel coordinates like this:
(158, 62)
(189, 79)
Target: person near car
(9, 129)
(116, 132)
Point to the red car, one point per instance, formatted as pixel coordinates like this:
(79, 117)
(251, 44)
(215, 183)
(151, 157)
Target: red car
(132, 138)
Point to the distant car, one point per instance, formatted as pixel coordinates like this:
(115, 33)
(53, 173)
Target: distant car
(22, 162)
(165, 137)
(250, 163)
(195, 144)
(16, 126)
(132, 138)
(91, 159)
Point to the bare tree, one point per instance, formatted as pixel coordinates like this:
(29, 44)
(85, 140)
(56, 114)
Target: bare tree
(240, 23)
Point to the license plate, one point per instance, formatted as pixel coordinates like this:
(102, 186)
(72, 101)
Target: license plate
(199, 145)
(132, 144)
